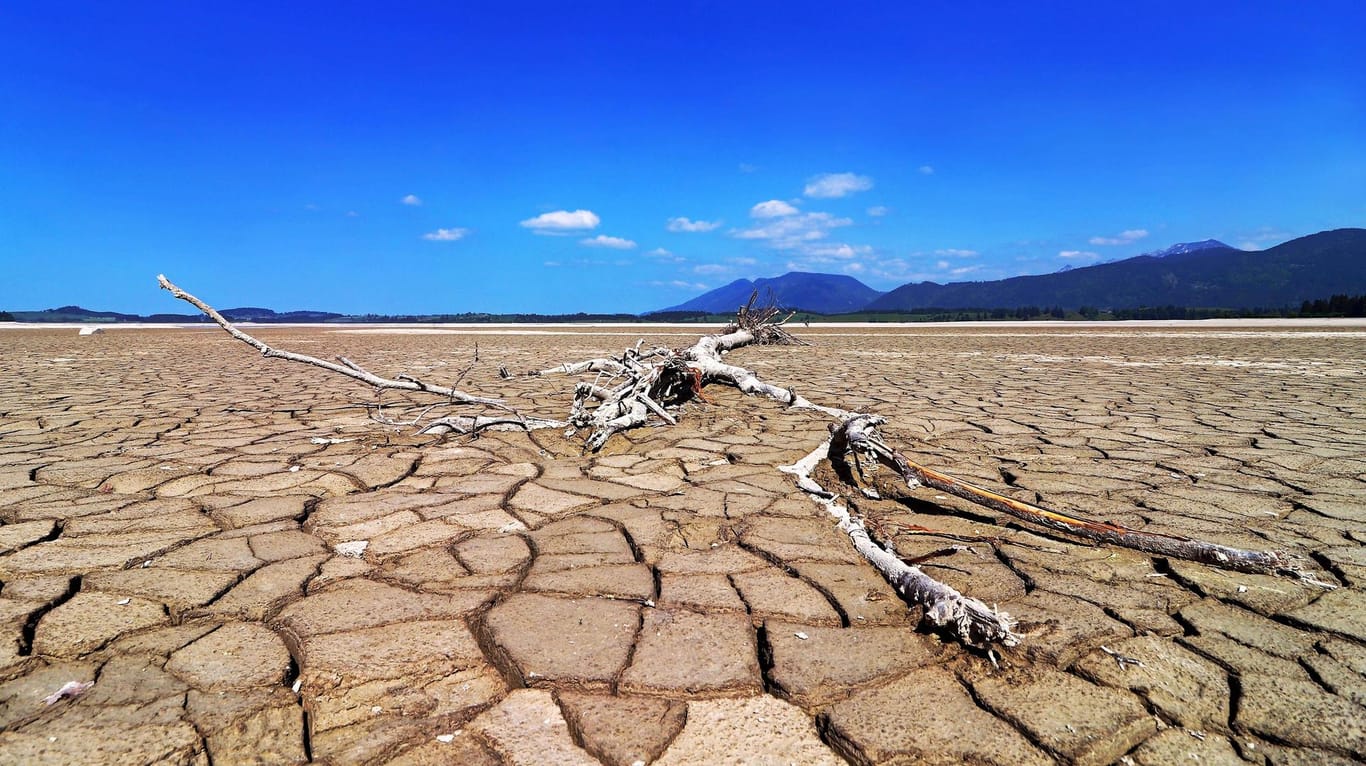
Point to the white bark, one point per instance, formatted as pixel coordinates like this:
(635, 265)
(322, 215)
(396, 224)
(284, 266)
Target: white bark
(346, 367)
(970, 620)
(588, 365)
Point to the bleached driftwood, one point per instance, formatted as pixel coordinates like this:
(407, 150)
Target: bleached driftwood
(342, 366)
(648, 384)
(752, 327)
(448, 394)
(970, 620)
(643, 390)
(856, 444)
(632, 359)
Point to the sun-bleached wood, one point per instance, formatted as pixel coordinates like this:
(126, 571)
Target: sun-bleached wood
(968, 619)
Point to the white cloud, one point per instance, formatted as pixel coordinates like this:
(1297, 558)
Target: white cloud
(877, 211)
(831, 185)
(745, 167)
(1126, 237)
(684, 224)
(774, 208)
(835, 250)
(352, 214)
(833, 257)
(412, 200)
(679, 284)
(710, 268)
(1080, 255)
(926, 170)
(916, 269)
(446, 235)
(602, 240)
(552, 264)
(791, 231)
(562, 222)
(954, 252)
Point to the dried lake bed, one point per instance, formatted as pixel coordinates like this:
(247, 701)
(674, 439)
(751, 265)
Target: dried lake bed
(247, 568)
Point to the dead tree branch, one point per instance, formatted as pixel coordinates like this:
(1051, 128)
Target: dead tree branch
(856, 450)
(641, 384)
(346, 367)
(462, 424)
(970, 620)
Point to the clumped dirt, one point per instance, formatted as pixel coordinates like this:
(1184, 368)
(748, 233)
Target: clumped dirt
(250, 569)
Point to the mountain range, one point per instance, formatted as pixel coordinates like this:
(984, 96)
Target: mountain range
(1206, 274)
(819, 293)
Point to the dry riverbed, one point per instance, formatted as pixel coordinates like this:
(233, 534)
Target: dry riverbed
(243, 567)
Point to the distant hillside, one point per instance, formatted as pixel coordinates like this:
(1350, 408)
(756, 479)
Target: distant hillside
(72, 314)
(253, 314)
(818, 293)
(1209, 275)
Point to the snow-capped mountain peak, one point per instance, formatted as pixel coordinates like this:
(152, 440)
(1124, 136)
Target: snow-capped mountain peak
(1183, 248)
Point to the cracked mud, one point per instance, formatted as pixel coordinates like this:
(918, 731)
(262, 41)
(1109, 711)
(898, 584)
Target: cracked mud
(249, 569)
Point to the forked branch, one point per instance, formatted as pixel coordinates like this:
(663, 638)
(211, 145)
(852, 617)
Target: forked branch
(970, 620)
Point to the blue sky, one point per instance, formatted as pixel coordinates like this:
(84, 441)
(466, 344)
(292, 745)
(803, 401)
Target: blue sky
(432, 157)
